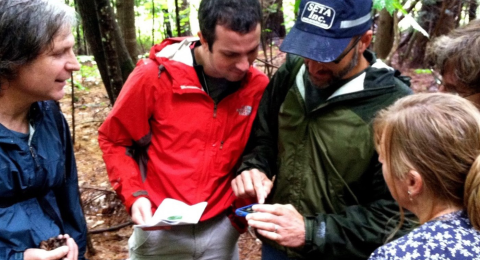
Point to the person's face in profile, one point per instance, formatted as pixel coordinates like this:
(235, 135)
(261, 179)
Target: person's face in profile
(451, 84)
(232, 53)
(44, 78)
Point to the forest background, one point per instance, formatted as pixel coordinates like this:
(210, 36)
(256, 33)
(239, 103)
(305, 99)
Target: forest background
(113, 34)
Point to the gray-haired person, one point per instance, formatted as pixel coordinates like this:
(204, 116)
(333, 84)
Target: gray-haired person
(457, 56)
(39, 197)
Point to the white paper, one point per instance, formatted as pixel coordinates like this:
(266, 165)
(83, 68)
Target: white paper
(173, 212)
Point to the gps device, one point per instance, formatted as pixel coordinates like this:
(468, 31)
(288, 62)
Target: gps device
(244, 211)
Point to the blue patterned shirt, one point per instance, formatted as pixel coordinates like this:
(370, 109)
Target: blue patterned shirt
(450, 236)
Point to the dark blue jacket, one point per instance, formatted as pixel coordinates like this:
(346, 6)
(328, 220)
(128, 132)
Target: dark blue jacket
(39, 195)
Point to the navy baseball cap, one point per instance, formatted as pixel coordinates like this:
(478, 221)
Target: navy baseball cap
(324, 28)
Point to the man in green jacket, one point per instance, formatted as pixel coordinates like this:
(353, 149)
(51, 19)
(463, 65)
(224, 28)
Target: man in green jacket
(313, 132)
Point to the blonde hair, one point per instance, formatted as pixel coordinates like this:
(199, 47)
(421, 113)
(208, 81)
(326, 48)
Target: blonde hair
(438, 135)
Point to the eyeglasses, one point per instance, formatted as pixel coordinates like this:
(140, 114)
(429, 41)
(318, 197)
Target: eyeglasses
(339, 58)
(436, 77)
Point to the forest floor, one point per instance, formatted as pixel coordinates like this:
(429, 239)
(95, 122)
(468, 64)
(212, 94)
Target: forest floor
(108, 223)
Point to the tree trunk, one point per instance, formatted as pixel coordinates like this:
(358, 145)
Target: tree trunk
(437, 19)
(273, 29)
(96, 41)
(79, 40)
(472, 10)
(177, 17)
(274, 23)
(153, 23)
(107, 30)
(449, 17)
(167, 24)
(384, 35)
(126, 21)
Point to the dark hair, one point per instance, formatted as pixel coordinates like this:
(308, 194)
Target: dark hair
(241, 16)
(28, 28)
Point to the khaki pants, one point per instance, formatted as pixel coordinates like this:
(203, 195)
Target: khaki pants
(215, 239)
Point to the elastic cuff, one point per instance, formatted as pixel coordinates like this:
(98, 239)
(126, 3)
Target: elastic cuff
(131, 199)
(309, 231)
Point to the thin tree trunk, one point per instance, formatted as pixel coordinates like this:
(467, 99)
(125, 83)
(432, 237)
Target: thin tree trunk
(167, 24)
(106, 19)
(153, 22)
(92, 33)
(94, 37)
(437, 19)
(126, 21)
(274, 23)
(384, 36)
(177, 17)
(472, 10)
(449, 16)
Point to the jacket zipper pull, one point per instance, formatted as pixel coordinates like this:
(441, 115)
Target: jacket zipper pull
(34, 155)
(221, 145)
(215, 110)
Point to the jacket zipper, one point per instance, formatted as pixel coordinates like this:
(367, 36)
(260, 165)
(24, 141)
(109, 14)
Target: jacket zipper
(34, 155)
(214, 103)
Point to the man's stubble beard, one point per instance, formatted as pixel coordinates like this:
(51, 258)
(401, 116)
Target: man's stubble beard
(339, 75)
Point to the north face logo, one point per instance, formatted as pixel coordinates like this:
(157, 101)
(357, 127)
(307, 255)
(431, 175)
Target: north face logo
(245, 110)
(318, 15)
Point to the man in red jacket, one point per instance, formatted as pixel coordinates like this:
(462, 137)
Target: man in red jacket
(179, 127)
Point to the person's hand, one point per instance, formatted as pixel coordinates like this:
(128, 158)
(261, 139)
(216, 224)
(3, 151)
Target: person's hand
(67, 252)
(252, 183)
(280, 223)
(141, 211)
(72, 248)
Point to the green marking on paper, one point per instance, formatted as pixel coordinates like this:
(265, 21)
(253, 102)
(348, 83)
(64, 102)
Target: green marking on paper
(174, 217)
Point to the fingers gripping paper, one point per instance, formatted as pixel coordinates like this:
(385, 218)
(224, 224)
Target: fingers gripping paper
(173, 212)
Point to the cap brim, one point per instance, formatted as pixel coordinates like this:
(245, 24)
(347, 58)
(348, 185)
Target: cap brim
(313, 46)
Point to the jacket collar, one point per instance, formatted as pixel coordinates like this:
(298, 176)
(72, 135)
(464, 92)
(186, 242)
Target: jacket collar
(359, 83)
(175, 55)
(35, 115)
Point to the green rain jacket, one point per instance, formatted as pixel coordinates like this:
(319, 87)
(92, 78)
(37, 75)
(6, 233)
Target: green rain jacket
(325, 161)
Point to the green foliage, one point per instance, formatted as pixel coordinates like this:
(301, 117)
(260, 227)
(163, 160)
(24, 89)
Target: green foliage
(423, 71)
(78, 85)
(288, 14)
(389, 5)
(88, 67)
(144, 42)
(297, 6)
(271, 8)
(185, 20)
(88, 71)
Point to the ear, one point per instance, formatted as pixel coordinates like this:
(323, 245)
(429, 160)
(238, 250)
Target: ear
(202, 40)
(414, 183)
(365, 40)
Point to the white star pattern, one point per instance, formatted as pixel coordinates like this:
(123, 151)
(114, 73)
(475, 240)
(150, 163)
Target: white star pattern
(448, 237)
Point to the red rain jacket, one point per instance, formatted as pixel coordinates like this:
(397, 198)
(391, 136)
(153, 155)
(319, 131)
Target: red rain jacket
(166, 138)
